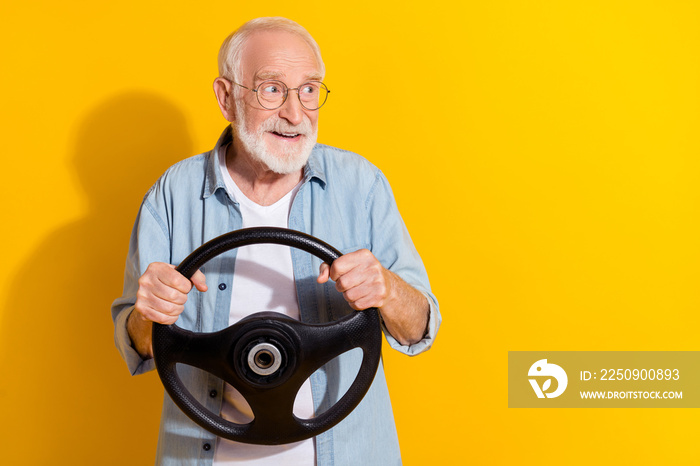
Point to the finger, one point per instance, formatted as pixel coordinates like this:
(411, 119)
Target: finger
(199, 281)
(361, 258)
(367, 272)
(156, 309)
(161, 299)
(160, 317)
(366, 303)
(169, 276)
(341, 266)
(152, 284)
(349, 280)
(165, 293)
(362, 298)
(364, 288)
(323, 273)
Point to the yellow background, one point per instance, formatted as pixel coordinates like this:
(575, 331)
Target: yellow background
(544, 155)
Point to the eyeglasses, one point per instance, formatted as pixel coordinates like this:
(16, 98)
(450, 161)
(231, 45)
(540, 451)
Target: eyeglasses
(273, 94)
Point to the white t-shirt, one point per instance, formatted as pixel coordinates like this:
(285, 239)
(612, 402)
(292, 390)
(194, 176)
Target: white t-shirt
(263, 280)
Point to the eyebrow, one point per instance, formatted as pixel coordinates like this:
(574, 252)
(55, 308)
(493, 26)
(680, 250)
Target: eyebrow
(265, 75)
(278, 75)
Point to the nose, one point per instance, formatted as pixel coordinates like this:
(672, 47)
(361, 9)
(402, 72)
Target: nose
(291, 110)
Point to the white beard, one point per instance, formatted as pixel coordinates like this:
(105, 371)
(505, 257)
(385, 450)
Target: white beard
(292, 158)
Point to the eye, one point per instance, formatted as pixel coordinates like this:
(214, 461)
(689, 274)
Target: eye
(272, 89)
(308, 89)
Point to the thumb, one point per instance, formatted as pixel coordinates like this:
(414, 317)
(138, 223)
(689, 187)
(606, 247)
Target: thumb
(323, 273)
(199, 281)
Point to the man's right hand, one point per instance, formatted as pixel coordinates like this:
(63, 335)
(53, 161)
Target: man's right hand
(160, 298)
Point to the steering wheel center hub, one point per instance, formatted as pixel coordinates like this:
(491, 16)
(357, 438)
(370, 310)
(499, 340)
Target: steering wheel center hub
(264, 359)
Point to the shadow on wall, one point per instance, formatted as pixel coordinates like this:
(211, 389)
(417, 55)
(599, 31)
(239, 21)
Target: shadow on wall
(66, 396)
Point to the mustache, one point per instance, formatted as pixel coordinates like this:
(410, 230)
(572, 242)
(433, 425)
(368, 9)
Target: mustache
(280, 125)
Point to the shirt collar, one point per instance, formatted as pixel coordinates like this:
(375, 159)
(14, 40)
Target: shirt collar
(215, 180)
(314, 167)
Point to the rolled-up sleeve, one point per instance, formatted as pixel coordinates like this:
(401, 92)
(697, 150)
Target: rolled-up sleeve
(434, 320)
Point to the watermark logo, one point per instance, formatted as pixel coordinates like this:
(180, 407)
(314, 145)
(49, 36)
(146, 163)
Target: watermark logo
(545, 371)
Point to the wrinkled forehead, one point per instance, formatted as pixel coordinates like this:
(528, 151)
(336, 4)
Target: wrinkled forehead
(275, 54)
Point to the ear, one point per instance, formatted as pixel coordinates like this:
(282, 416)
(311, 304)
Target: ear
(223, 89)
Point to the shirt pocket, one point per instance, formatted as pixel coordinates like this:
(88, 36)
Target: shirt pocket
(347, 250)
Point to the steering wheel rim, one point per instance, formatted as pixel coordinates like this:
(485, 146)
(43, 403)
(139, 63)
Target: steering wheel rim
(301, 350)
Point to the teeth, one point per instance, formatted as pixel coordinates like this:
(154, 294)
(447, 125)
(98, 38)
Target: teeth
(285, 134)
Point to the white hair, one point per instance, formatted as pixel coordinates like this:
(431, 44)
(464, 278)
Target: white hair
(231, 50)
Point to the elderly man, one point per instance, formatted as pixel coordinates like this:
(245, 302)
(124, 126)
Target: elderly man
(267, 170)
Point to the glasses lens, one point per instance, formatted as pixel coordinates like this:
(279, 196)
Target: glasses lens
(313, 94)
(271, 94)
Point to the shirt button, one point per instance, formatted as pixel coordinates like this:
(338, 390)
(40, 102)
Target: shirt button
(213, 393)
(206, 447)
(222, 286)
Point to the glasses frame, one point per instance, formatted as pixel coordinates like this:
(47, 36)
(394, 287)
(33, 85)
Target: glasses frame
(286, 93)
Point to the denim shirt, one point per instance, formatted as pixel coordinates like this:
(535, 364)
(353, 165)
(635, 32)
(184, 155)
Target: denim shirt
(345, 201)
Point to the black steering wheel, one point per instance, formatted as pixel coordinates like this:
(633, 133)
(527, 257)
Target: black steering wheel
(266, 356)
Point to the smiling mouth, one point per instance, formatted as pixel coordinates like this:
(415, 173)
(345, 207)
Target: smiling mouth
(286, 135)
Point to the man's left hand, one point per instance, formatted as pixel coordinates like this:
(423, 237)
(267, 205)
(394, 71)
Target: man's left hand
(365, 283)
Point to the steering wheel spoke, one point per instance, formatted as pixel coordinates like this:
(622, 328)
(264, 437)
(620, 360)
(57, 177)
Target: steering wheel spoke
(334, 340)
